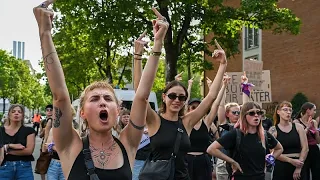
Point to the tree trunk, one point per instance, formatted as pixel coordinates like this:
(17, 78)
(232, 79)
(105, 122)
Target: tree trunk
(171, 64)
(123, 70)
(4, 105)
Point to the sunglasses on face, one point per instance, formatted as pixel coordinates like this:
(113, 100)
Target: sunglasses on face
(48, 109)
(174, 96)
(253, 113)
(235, 112)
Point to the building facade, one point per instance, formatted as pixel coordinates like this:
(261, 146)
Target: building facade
(293, 60)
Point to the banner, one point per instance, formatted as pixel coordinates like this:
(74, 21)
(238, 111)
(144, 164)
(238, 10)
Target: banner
(262, 95)
(253, 68)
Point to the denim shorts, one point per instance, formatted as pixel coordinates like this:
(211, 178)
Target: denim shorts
(138, 164)
(16, 170)
(55, 171)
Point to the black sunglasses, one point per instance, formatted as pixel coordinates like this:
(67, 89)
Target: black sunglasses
(49, 109)
(174, 96)
(235, 112)
(253, 113)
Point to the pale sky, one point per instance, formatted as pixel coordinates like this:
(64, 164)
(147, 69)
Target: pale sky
(17, 23)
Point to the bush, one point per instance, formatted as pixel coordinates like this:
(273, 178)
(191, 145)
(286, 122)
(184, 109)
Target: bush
(297, 101)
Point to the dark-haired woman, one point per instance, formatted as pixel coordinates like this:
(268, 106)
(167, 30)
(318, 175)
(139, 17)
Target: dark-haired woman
(289, 165)
(163, 127)
(305, 117)
(199, 162)
(19, 142)
(249, 161)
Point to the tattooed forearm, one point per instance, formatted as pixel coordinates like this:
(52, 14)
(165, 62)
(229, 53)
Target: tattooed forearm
(48, 60)
(58, 114)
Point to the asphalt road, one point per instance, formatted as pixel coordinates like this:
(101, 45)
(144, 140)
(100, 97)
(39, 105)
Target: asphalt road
(36, 154)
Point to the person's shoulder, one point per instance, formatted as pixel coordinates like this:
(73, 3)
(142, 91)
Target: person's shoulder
(28, 130)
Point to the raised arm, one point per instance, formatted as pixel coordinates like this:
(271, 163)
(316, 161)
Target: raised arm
(190, 82)
(62, 122)
(215, 105)
(246, 88)
(193, 117)
(133, 132)
(137, 62)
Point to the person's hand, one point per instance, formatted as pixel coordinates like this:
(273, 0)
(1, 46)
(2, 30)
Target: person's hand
(296, 162)
(226, 79)
(310, 123)
(235, 167)
(160, 26)
(244, 78)
(178, 77)
(296, 174)
(139, 45)
(219, 54)
(16, 146)
(190, 81)
(209, 81)
(44, 17)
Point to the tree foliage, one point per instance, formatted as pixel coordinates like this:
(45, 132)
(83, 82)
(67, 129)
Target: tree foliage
(297, 101)
(17, 83)
(94, 37)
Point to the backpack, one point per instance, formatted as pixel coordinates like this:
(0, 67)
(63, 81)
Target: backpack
(233, 153)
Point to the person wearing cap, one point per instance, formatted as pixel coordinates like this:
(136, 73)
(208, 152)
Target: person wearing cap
(44, 158)
(199, 162)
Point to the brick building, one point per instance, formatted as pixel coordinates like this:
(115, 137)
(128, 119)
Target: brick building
(293, 61)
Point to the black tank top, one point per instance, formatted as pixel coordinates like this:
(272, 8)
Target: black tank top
(200, 139)
(79, 171)
(162, 144)
(290, 141)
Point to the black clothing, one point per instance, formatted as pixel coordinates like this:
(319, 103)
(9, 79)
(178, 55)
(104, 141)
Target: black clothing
(19, 138)
(251, 156)
(199, 139)
(290, 141)
(162, 144)
(199, 167)
(79, 171)
(267, 124)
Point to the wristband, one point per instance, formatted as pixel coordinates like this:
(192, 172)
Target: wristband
(155, 53)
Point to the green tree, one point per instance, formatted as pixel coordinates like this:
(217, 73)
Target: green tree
(9, 79)
(297, 101)
(93, 40)
(98, 34)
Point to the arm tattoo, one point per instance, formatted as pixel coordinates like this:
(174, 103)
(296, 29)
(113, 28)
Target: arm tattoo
(58, 114)
(48, 60)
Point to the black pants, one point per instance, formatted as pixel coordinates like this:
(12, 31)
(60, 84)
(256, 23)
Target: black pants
(199, 167)
(284, 171)
(36, 124)
(312, 162)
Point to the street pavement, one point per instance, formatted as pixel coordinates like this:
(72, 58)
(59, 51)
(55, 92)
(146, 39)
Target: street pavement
(36, 154)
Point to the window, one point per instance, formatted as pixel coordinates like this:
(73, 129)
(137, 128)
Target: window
(251, 38)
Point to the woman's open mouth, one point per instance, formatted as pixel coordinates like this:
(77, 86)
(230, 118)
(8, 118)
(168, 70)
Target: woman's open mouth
(103, 115)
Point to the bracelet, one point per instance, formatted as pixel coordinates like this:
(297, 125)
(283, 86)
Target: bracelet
(137, 54)
(155, 53)
(138, 59)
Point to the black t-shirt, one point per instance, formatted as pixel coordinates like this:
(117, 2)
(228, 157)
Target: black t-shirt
(251, 156)
(19, 138)
(267, 124)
